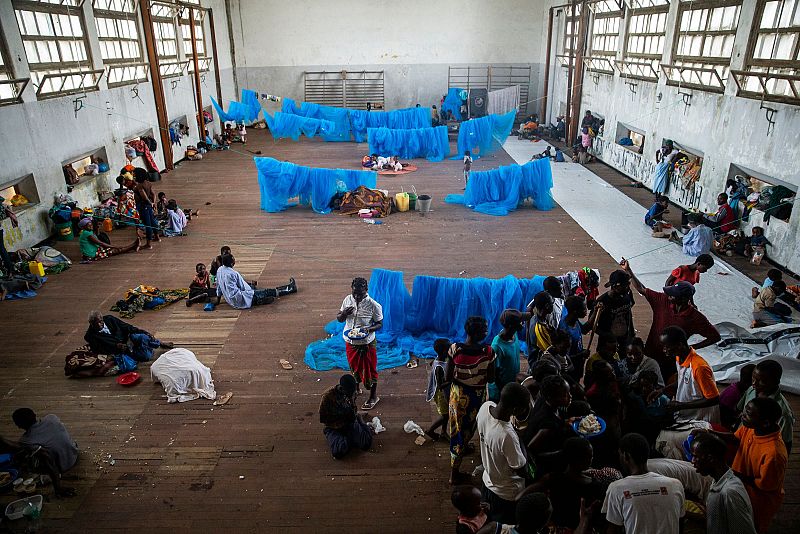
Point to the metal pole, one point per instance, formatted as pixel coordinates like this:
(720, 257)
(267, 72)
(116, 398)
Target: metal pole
(201, 127)
(569, 136)
(577, 85)
(158, 86)
(543, 115)
(214, 52)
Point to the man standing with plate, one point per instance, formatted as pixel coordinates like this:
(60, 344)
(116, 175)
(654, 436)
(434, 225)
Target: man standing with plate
(363, 314)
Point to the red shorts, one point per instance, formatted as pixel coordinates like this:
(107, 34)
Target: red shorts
(363, 361)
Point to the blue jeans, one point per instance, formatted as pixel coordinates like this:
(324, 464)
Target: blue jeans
(142, 347)
(147, 219)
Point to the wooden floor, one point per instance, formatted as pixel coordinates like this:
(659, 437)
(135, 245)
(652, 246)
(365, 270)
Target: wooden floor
(259, 464)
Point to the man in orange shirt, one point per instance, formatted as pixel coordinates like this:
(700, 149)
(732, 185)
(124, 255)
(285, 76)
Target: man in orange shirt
(761, 458)
(696, 393)
(690, 273)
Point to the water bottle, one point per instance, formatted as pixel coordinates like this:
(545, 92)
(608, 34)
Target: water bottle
(372, 221)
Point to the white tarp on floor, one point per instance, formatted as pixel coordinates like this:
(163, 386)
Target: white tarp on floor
(616, 223)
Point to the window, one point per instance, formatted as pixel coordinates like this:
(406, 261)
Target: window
(56, 46)
(774, 54)
(571, 29)
(82, 164)
(704, 43)
(644, 44)
(25, 186)
(605, 28)
(636, 137)
(186, 32)
(120, 46)
(163, 16)
(10, 90)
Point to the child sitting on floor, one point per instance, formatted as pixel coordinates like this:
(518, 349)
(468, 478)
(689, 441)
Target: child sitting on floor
(438, 389)
(471, 510)
(756, 245)
(176, 220)
(773, 275)
(161, 206)
(201, 289)
(395, 163)
(766, 311)
(653, 216)
(242, 133)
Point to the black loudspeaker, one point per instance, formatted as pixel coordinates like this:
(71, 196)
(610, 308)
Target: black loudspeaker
(478, 102)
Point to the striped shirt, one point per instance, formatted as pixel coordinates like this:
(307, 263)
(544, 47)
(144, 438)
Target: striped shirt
(471, 363)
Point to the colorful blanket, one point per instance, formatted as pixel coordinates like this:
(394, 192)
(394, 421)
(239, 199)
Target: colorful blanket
(145, 297)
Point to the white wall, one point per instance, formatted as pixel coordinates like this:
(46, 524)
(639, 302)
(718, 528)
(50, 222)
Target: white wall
(36, 136)
(413, 41)
(727, 129)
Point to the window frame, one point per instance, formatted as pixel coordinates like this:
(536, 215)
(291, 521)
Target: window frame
(160, 21)
(55, 70)
(138, 65)
(200, 32)
(643, 61)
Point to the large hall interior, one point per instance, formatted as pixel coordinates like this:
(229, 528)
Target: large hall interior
(516, 266)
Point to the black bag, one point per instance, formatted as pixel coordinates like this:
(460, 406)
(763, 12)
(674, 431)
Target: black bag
(150, 143)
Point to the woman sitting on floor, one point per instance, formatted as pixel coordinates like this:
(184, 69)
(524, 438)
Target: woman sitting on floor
(176, 220)
(93, 249)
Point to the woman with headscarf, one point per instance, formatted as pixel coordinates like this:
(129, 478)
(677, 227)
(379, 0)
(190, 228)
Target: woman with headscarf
(93, 249)
(664, 159)
(471, 369)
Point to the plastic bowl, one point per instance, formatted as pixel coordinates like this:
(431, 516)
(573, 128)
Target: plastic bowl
(128, 379)
(577, 424)
(16, 509)
(14, 474)
(356, 337)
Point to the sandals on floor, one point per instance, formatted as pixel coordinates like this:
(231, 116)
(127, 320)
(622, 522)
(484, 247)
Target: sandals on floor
(286, 365)
(412, 364)
(370, 404)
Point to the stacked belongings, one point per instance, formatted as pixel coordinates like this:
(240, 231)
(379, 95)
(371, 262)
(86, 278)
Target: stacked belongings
(365, 198)
(147, 298)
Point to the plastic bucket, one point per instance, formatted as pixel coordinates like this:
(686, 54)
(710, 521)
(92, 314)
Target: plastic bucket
(412, 199)
(401, 201)
(424, 203)
(64, 231)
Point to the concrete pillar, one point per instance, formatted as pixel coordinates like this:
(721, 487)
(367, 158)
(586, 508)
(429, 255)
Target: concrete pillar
(739, 53)
(17, 59)
(93, 42)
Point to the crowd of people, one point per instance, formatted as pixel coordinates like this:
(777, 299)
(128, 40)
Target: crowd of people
(664, 446)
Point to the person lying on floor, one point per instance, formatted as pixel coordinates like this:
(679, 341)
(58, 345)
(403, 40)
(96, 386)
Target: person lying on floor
(94, 249)
(49, 447)
(176, 220)
(108, 335)
(239, 294)
(370, 162)
(200, 289)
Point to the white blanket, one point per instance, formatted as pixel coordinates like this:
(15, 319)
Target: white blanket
(183, 376)
(740, 346)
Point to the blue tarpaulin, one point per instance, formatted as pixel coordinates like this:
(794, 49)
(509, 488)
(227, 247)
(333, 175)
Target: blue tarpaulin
(431, 143)
(280, 181)
(487, 134)
(453, 102)
(398, 119)
(245, 111)
(499, 191)
(437, 307)
(288, 125)
(338, 116)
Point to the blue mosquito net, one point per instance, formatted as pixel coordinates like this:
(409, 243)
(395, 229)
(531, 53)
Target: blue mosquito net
(437, 307)
(338, 116)
(431, 143)
(453, 102)
(499, 191)
(398, 119)
(281, 181)
(288, 125)
(245, 111)
(487, 134)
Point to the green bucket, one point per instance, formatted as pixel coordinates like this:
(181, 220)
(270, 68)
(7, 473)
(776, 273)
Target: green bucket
(64, 231)
(412, 199)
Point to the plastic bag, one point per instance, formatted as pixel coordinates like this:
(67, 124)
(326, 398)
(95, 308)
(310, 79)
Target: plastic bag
(125, 363)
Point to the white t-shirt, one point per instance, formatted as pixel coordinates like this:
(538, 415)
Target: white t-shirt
(367, 313)
(693, 482)
(501, 455)
(650, 503)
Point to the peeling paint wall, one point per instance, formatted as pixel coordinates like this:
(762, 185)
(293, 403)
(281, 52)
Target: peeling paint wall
(724, 128)
(413, 42)
(37, 136)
